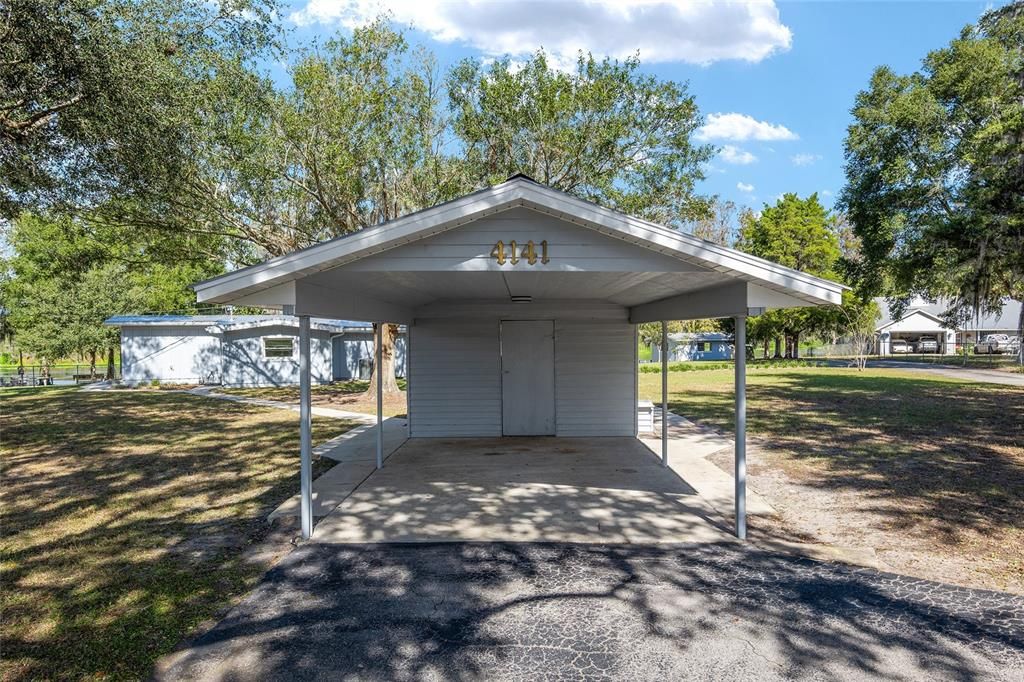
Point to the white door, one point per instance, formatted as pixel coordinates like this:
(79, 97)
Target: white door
(528, 378)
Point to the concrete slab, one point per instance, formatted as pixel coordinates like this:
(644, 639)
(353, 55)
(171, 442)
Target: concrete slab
(594, 490)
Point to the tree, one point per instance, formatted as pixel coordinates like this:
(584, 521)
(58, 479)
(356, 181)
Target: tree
(70, 275)
(797, 233)
(101, 99)
(604, 132)
(719, 224)
(935, 173)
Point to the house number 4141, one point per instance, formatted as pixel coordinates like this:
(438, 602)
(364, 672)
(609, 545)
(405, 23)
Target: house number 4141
(514, 253)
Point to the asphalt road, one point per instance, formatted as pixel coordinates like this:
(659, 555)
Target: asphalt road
(989, 376)
(506, 611)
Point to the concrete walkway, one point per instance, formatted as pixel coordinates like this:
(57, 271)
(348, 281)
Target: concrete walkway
(211, 392)
(356, 454)
(355, 451)
(689, 446)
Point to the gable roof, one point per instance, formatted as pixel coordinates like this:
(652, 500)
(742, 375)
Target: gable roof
(216, 324)
(909, 314)
(1005, 319)
(518, 191)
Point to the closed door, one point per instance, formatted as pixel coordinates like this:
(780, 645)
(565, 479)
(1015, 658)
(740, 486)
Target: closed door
(528, 378)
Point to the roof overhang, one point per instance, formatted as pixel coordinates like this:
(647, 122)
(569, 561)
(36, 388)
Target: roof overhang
(763, 284)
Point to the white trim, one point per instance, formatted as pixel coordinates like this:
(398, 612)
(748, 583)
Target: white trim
(517, 192)
(277, 337)
(908, 315)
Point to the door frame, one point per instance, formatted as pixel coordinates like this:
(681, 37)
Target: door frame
(554, 372)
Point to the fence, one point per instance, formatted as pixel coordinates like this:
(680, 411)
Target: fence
(56, 375)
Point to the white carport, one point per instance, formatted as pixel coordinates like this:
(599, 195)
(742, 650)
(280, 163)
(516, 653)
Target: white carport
(521, 304)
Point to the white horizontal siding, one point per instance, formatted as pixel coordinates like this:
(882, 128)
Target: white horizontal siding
(455, 387)
(569, 247)
(186, 355)
(243, 364)
(595, 380)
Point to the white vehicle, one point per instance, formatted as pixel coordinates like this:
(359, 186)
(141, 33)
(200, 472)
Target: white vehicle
(898, 346)
(993, 343)
(927, 344)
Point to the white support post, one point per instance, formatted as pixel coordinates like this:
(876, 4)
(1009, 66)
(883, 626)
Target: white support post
(305, 432)
(740, 356)
(664, 393)
(378, 370)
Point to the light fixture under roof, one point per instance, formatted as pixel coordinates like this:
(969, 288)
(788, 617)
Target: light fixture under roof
(522, 299)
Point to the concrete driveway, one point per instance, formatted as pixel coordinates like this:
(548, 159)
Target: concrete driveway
(593, 490)
(510, 611)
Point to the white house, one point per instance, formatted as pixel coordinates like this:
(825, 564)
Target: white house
(925, 319)
(521, 304)
(242, 350)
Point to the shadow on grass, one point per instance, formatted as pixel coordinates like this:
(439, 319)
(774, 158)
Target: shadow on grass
(952, 452)
(483, 611)
(126, 517)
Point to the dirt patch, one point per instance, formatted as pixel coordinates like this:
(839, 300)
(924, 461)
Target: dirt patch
(926, 471)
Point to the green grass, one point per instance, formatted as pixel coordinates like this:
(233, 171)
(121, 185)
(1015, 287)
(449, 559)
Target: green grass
(708, 365)
(937, 460)
(126, 519)
(343, 395)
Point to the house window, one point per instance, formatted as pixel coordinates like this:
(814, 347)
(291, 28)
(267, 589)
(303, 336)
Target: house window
(278, 348)
(706, 346)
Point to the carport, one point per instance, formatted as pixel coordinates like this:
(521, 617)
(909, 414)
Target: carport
(521, 304)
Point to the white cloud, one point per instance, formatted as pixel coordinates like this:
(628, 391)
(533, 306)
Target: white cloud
(735, 155)
(826, 193)
(740, 127)
(744, 187)
(698, 32)
(804, 159)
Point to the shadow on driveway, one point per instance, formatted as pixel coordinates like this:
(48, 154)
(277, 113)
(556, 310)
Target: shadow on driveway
(496, 611)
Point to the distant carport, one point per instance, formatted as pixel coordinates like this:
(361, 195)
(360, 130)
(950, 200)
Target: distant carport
(521, 304)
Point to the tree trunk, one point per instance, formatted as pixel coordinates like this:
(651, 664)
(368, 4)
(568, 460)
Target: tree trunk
(1020, 336)
(111, 370)
(796, 346)
(778, 347)
(92, 363)
(387, 361)
(765, 349)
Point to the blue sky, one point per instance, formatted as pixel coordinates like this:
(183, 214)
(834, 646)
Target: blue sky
(775, 81)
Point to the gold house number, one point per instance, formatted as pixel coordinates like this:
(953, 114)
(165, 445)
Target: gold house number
(515, 253)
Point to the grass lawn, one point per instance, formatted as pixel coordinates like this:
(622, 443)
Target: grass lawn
(128, 518)
(928, 471)
(343, 395)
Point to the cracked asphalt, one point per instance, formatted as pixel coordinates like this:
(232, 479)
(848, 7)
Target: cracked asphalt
(466, 611)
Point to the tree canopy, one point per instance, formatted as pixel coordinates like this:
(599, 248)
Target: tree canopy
(935, 173)
(102, 99)
(802, 234)
(604, 131)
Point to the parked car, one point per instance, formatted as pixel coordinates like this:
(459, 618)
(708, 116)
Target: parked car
(899, 346)
(1013, 345)
(927, 344)
(993, 343)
